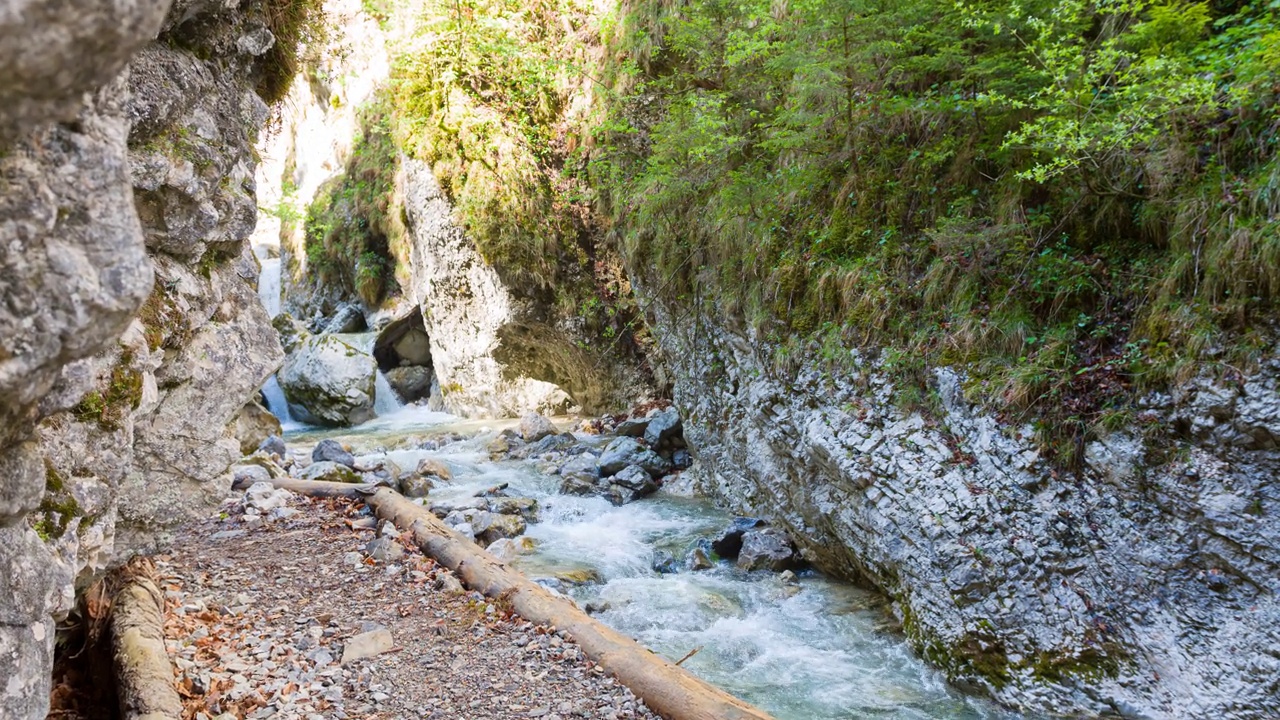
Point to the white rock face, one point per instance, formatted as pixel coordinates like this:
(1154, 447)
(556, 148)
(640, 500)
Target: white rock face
(1146, 585)
(465, 307)
(328, 382)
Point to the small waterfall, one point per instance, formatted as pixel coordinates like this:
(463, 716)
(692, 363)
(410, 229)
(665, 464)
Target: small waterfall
(385, 400)
(269, 286)
(276, 403)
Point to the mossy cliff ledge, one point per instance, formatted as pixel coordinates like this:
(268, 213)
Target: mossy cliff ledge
(131, 333)
(1144, 585)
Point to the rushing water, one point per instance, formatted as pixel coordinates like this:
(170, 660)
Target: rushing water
(824, 652)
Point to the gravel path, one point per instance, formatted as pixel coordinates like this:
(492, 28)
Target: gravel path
(259, 615)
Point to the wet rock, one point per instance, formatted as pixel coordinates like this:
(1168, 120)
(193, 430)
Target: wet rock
(729, 543)
(788, 578)
(581, 485)
(274, 445)
(700, 556)
(535, 426)
(664, 563)
(767, 549)
(443, 508)
(626, 451)
(367, 645)
(411, 383)
(332, 451)
(327, 471)
(632, 427)
(416, 486)
(510, 548)
(328, 382)
(526, 508)
(432, 466)
(490, 527)
(503, 444)
(579, 576)
(547, 446)
(665, 430)
(635, 478)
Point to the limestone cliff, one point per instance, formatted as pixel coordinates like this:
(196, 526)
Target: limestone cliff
(130, 331)
(1144, 586)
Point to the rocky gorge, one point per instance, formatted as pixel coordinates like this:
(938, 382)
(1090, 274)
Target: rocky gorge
(184, 231)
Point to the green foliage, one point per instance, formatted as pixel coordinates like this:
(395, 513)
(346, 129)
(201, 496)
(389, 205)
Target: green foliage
(299, 27)
(353, 227)
(1075, 200)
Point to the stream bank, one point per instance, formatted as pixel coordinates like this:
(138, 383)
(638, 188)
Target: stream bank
(813, 650)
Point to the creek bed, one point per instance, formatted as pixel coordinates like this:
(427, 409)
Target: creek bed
(823, 650)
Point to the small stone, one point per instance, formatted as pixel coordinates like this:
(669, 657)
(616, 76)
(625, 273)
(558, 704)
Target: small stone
(367, 645)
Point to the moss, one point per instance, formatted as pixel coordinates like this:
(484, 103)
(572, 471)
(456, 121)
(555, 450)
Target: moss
(109, 407)
(58, 507)
(164, 324)
(300, 30)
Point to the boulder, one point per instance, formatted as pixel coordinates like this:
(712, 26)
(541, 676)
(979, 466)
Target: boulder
(626, 451)
(621, 494)
(411, 383)
(681, 459)
(665, 430)
(547, 445)
(767, 549)
(581, 465)
(634, 477)
(249, 475)
(328, 382)
(632, 427)
(729, 544)
(274, 445)
(511, 548)
(291, 331)
(444, 508)
(535, 426)
(328, 471)
(432, 466)
(332, 450)
(415, 486)
(348, 319)
(264, 497)
(700, 556)
(253, 425)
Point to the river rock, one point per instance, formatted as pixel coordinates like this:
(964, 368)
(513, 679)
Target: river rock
(367, 645)
(490, 527)
(511, 548)
(767, 549)
(329, 471)
(581, 485)
(432, 466)
(328, 382)
(665, 430)
(274, 445)
(626, 451)
(730, 541)
(681, 459)
(526, 508)
(664, 563)
(411, 383)
(632, 427)
(332, 450)
(416, 486)
(443, 508)
(700, 556)
(535, 426)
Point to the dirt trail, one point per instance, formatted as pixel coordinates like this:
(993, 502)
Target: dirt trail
(258, 618)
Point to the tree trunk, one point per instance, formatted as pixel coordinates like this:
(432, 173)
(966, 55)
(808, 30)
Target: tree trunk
(144, 677)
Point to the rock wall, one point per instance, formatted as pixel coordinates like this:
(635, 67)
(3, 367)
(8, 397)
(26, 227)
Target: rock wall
(130, 330)
(1143, 587)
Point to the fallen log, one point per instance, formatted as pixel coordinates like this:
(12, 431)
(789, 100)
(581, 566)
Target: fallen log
(144, 677)
(671, 691)
(315, 488)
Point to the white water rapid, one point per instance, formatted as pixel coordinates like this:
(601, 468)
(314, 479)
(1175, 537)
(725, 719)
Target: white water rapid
(824, 652)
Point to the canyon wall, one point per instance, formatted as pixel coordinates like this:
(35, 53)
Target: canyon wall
(130, 331)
